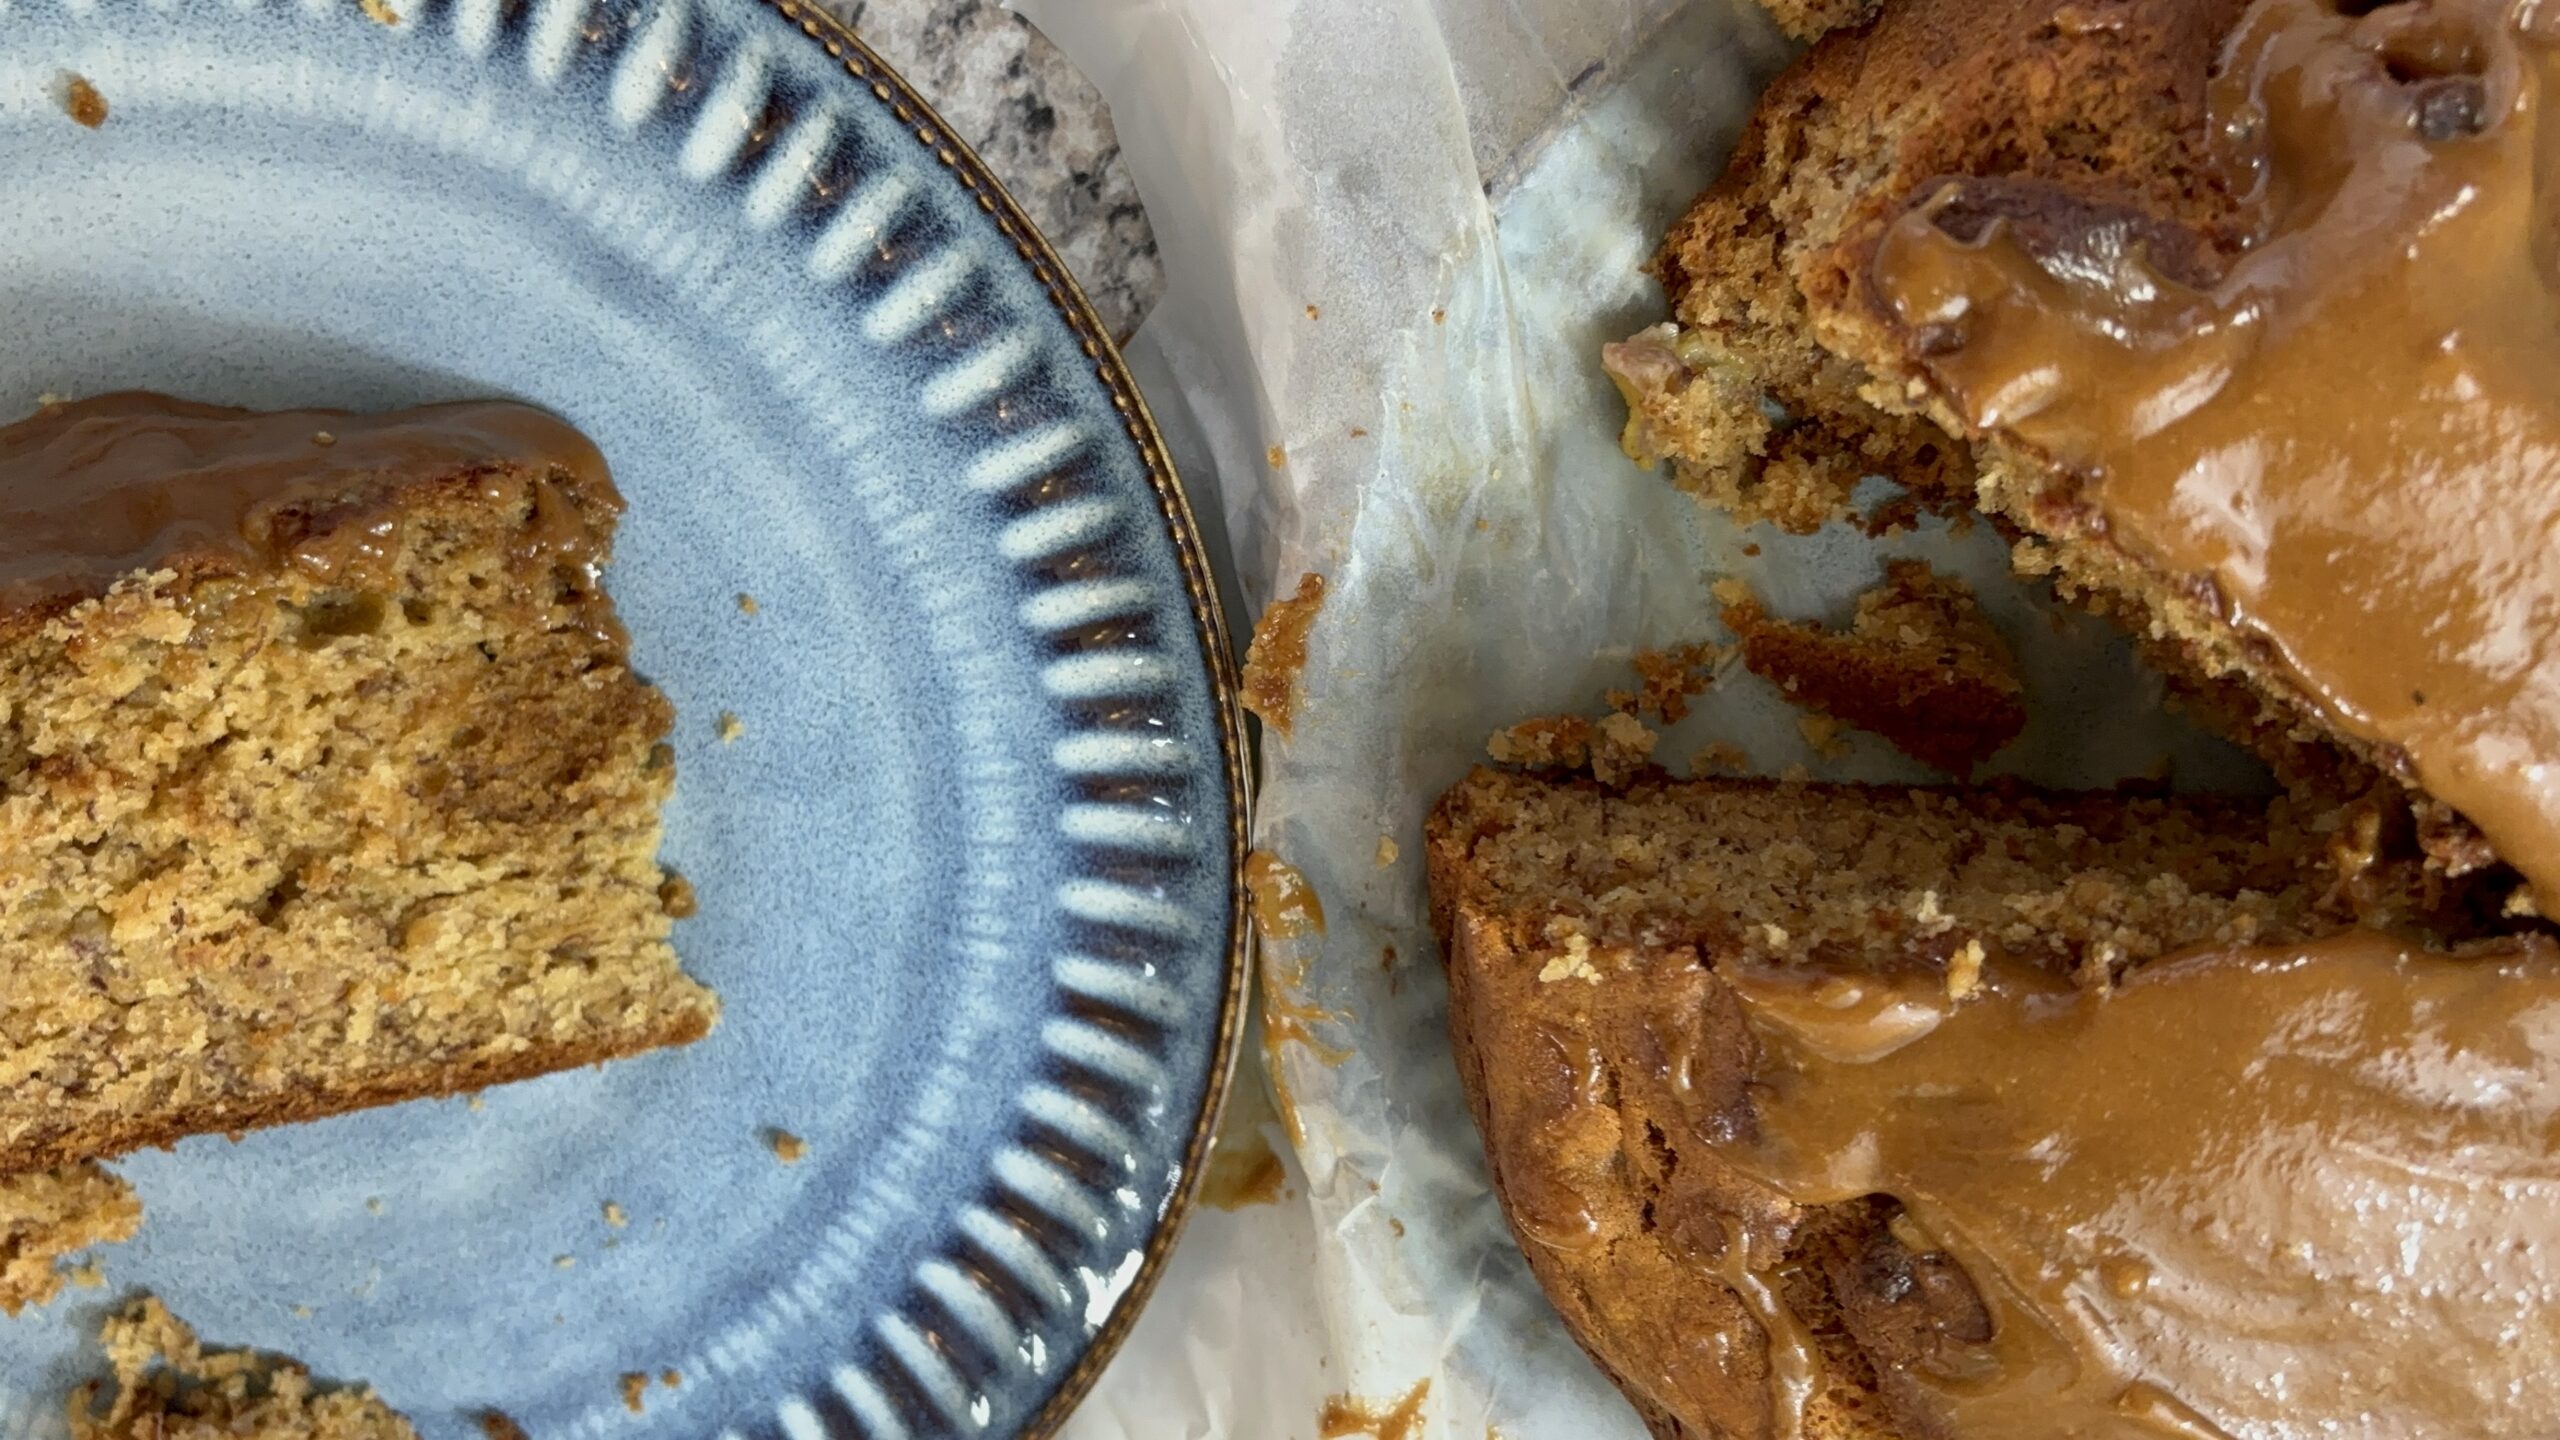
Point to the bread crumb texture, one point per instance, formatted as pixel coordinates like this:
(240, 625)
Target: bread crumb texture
(1668, 679)
(1812, 19)
(168, 1387)
(272, 848)
(1786, 873)
(48, 1215)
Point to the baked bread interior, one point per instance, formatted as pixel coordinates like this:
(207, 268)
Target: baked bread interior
(325, 780)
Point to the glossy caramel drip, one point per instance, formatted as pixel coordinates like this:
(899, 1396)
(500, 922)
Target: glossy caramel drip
(2248, 1192)
(2346, 438)
(98, 489)
(1285, 906)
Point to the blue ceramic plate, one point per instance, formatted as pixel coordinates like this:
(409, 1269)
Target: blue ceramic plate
(967, 874)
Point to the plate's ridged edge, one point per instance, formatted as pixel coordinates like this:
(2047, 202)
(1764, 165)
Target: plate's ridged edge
(1174, 510)
(975, 1298)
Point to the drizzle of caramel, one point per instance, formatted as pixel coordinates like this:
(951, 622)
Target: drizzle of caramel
(1278, 653)
(1242, 1176)
(1342, 1415)
(2348, 440)
(94, 490)
(1795, 1365)
(2246, 1192)
(1285, 906)
(1243, 1169)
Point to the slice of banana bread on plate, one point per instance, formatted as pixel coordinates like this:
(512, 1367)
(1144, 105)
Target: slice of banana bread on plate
(325, 781)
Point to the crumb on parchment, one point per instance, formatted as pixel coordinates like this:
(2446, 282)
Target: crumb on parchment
(82, 102)
(1548, 742)
(1621, 746)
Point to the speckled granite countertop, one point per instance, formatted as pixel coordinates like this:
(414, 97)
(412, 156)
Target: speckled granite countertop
(1036, 120)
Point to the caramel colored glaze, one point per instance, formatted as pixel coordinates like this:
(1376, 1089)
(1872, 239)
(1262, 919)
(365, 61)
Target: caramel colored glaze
(96, 489)
(1285, 906)
(1278, 653)
(2248, 1192)
(1343, 1416)
(1795, 1361)
(1243, 1169)
(2350, 434)
(1239, 1179)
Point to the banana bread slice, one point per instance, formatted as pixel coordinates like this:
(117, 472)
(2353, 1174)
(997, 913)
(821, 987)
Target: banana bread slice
(325, 781)
(1591, 938)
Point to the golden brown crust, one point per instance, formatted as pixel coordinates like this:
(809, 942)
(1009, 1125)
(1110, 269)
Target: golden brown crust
(121, 1135)
(1705, 1375)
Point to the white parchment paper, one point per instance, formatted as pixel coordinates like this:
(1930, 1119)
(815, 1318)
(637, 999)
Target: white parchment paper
(1396, 233)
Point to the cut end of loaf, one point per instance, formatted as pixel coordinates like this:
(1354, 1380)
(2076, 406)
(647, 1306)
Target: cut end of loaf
(1583, 930)
(1780, 381)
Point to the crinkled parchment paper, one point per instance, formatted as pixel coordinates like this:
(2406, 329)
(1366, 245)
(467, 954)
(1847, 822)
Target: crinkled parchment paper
(1396, 233)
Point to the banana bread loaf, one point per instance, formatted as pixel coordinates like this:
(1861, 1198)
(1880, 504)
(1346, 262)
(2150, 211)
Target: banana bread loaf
(1834, 1111)
(2232, 314)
